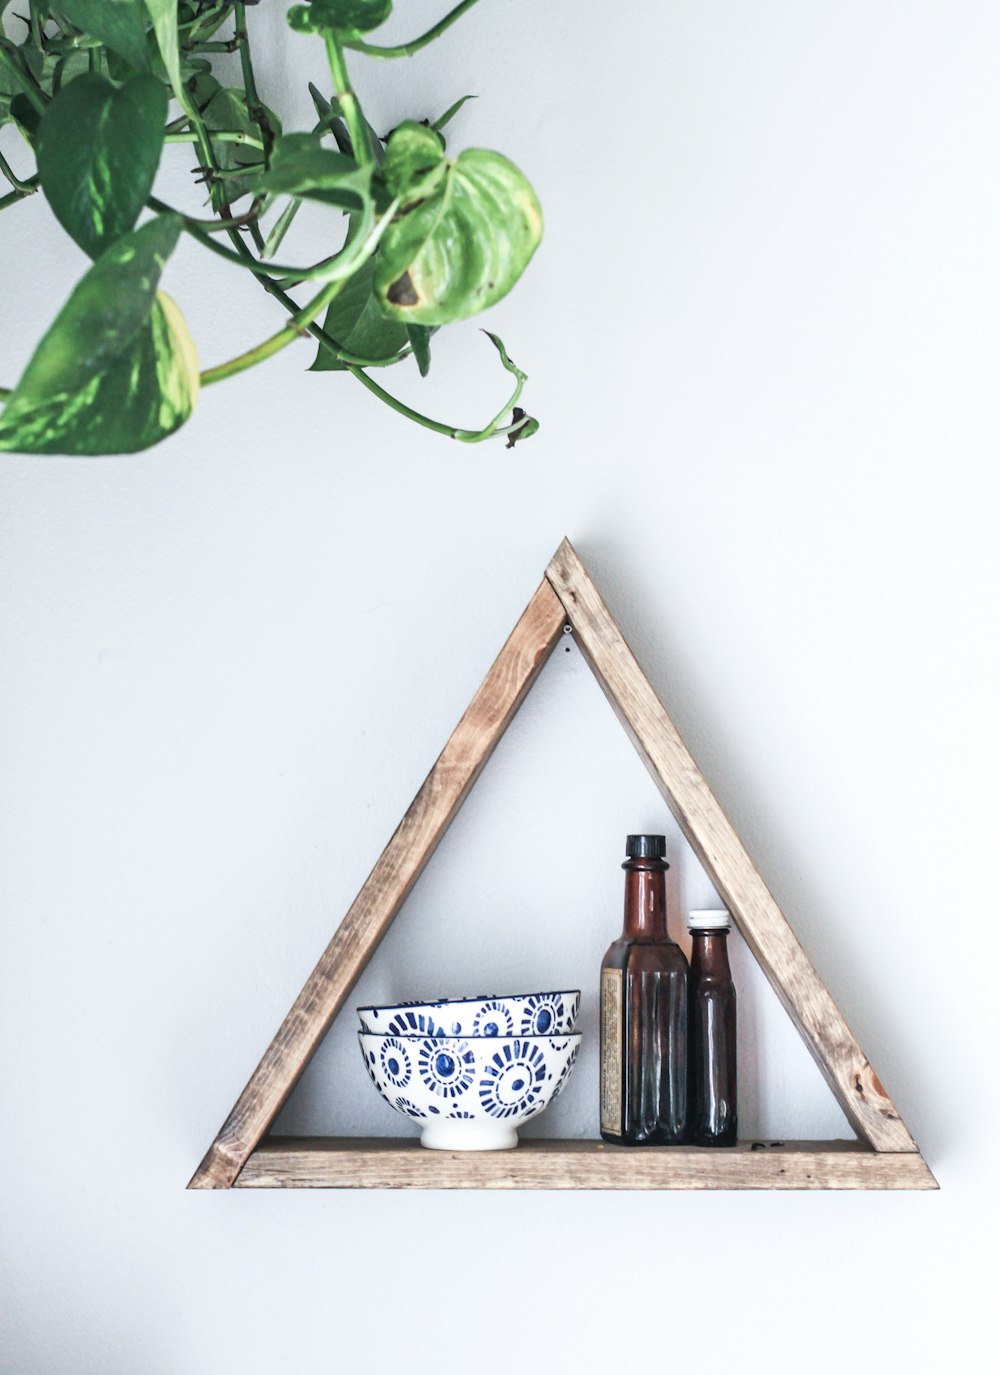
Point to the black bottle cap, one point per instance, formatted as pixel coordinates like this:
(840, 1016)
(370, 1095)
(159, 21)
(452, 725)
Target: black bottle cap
(646, 847)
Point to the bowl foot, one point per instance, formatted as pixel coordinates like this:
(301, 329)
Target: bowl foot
(459, 1135)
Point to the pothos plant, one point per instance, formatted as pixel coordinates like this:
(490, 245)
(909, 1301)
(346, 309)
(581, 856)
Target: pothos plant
(418, 238)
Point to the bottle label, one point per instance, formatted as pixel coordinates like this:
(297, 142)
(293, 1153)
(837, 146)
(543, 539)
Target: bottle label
(611, 1051)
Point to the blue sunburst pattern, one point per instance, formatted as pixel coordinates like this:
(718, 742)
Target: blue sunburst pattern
(513, 1079)
(447, 1068)
(414, 1024)
(561, 1082)
(395, 1062)
(542, 1015)
(493, 1019)
(411, 1110)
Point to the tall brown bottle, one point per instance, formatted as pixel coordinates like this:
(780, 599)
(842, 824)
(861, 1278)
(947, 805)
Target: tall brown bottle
(644, 1012)
(712, 1048)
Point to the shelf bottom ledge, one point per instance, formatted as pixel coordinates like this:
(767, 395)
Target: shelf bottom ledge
(345, 1162)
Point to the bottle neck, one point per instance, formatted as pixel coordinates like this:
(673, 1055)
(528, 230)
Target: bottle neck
(710, 955)
(645, 900)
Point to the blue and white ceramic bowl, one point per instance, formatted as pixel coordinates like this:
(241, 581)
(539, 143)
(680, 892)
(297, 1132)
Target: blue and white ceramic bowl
(469, 1093)
(516, 1014)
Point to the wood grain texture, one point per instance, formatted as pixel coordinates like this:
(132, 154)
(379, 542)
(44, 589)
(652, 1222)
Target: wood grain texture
(428, 817)
(383, 1163)
(726, 862)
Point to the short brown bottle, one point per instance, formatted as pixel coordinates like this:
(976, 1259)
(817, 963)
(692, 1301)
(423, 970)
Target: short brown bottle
(644, 1012)
(712, 1043)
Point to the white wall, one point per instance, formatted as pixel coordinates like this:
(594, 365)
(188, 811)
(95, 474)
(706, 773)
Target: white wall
(763, 343)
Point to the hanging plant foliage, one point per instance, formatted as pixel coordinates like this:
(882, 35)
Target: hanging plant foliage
(419, 238)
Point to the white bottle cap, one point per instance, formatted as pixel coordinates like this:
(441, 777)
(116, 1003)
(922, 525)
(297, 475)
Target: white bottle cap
(717, 920)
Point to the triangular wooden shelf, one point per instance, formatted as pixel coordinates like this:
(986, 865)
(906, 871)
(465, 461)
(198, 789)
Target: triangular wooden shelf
(884, 1157)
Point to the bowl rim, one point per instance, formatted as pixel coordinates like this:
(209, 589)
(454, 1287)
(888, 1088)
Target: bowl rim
(471, 998)
(492, 1040)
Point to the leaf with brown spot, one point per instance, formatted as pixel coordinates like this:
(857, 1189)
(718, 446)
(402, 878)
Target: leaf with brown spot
(463, 247)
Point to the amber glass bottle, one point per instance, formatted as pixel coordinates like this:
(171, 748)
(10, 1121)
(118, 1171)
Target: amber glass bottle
(713, 1032)
(644, 1012)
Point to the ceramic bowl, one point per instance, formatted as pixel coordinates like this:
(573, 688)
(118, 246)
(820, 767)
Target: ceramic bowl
(518, 1014)
(469, 1093)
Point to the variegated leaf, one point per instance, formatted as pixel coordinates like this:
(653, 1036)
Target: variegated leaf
(343, 16)
(464, 246)
(98, 151)
(116, 372)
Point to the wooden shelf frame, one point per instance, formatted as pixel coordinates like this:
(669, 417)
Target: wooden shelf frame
(348, 1162)
(885, 1155)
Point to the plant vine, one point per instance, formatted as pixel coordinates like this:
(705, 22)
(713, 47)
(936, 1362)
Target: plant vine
(97, 88)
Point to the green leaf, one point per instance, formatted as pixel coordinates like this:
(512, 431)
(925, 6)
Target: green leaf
(198, 20)
(98, 151)
(59, 70)
(358, 325)
(340, 16)
(464, 247)
(420, 342)
(25, 116)
(117, 370)
(191, 66)
(301, 166)
(163, 13)
(119, 24)
(414, 161)
(451, 112)
(324, 108)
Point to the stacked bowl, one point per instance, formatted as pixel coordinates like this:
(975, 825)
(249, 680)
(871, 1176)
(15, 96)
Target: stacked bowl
(471, 1070)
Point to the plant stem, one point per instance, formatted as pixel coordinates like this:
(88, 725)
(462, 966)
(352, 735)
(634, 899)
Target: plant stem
(463, 436)
(202, 231)
(245, 258)
(278, 341)
(22, 78)
(347, 100)
(201, 138)
(229, 173)
(12, 197)
(281, 227)
(257, 236)
(22, 186)
(407, 49)
(213, 226)
(400, 407)
(223, 135)
(346, 266)
(254, 105)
